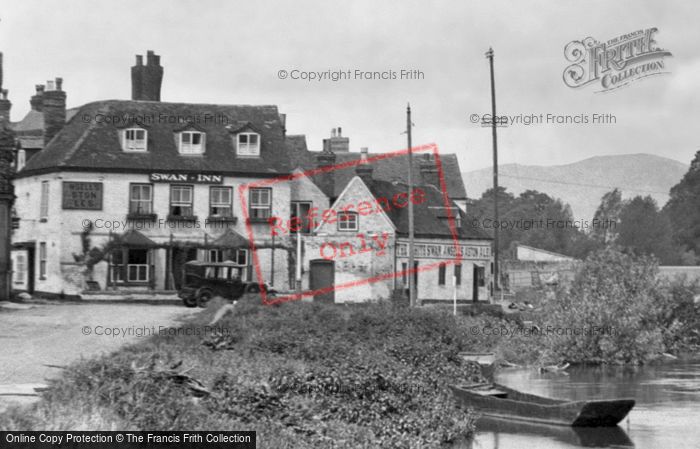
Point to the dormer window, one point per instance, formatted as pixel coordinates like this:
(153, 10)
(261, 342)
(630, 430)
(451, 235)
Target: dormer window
(134, 139)
(191, 142)
(248, 144)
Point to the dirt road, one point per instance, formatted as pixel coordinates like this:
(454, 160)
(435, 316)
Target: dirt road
(37, 335)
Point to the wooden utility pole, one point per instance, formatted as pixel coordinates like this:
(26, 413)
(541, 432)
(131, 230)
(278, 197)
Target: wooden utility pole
(412, 275)
(496, 285)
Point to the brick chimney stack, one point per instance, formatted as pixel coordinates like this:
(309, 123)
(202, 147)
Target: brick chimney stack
(5, 104)
(37, 100)
(429, 171)
(337, 143)
(54, 108)
(364, 169)
(146, 79)
(326, 179)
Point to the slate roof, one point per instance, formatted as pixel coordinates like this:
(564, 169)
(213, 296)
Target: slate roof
(31, 142)
(89, 146)
(430, 217)
(389, 169)
(31, 124)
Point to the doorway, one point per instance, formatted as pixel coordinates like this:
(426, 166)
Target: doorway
(479, 280)
(322, 275)
(180, 256)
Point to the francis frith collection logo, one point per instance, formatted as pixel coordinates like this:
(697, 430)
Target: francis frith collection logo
(615, 63)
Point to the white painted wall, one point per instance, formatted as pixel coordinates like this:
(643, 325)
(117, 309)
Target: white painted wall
(61, 231)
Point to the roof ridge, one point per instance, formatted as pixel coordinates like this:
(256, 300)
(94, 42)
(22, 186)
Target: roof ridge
(182, 103)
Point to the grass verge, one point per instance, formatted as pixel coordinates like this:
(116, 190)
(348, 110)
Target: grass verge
(300, 374)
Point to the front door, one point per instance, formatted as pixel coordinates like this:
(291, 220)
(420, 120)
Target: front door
(30, 269)
(322, 275)
(180, 256)
(478, 278)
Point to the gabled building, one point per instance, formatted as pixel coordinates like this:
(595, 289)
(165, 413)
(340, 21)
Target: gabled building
(360, 245)
(119, 194)
(368, 239)
(149, 184)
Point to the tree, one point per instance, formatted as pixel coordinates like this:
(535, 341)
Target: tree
(608, 212)
(683, 211)
(612, 313)
(645, 230)
(535, 219)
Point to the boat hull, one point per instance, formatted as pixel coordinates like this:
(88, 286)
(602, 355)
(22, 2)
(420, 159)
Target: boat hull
(504, 402)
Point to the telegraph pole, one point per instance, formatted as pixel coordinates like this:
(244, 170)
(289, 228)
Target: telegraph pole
(489, 55)
(411, 274)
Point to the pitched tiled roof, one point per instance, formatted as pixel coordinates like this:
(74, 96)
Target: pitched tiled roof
(389, 169)
(83, 144)
(396, 169)
(31, 142)
(430, 217)
(298, 153)
(32, 123)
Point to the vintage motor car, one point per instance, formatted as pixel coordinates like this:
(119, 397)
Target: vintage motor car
(205, 280)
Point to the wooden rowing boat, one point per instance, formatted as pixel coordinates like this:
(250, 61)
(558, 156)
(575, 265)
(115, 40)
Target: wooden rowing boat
(503, 402)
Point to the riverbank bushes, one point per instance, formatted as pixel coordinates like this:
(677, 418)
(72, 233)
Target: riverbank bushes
(301, 374)
(618, 311)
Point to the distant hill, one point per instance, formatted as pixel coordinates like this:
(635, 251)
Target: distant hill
(583, 183)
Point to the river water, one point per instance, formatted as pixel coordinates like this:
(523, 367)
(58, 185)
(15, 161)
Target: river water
(666, 415)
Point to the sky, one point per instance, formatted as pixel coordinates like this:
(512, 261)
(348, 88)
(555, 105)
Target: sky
(232, 52)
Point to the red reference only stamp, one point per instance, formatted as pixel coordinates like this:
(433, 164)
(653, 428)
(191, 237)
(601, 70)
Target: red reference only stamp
(345, 235)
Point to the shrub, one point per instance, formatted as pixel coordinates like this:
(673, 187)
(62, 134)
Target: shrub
(617, 303)
(319, 375)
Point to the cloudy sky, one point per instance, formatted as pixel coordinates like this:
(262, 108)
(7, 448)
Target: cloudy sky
(232, 51)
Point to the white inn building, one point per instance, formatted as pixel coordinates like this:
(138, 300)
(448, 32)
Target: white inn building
(117, 195)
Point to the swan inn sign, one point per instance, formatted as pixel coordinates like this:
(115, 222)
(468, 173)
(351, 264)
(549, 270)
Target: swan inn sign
(193, 178)
(443, 251)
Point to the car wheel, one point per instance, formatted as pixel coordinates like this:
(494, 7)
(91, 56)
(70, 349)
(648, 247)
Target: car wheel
(203, 298)
(190, 301)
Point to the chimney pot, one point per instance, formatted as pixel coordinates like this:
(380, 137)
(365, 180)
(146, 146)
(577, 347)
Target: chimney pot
(336, 143)
(4, 94)
(146, 80)
(39, 89)
(59, 83)
(363, 153)
(49, 85)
